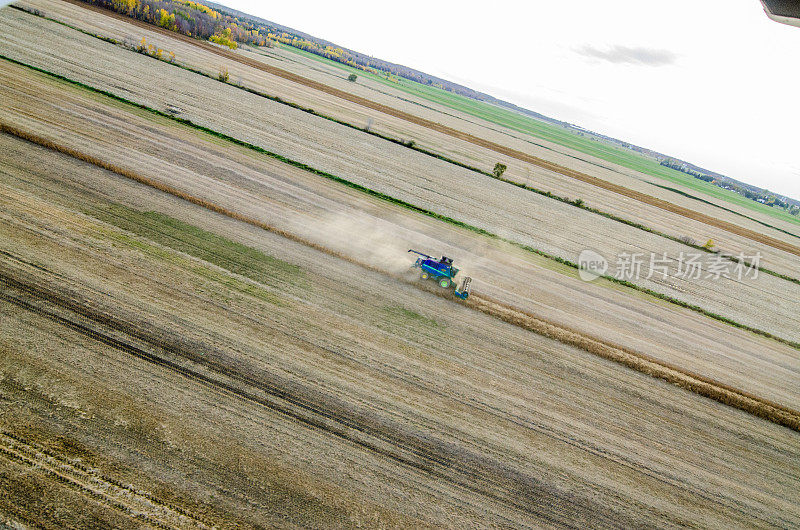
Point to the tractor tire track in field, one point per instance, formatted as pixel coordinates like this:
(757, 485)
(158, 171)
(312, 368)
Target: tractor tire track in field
(460, 467)
(91, 484)
(455, 133)
(638, 361)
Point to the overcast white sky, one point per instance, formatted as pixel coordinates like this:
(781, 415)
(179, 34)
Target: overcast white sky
(714, 82)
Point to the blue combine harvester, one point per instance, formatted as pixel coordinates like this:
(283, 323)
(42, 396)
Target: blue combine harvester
(442, 272)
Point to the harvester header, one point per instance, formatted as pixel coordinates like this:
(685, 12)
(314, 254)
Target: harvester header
(442, 272)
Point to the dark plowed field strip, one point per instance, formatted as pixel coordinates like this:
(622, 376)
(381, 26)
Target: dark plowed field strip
(449, 131)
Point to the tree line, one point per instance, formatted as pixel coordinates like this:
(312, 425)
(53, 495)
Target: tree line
(764, 197)
(198, 20)
(189, 18)
(679, 166)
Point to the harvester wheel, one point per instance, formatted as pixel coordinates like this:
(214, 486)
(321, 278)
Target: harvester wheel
(424, 275)
(444, 283)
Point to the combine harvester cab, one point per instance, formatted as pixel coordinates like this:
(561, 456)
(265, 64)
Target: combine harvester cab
(442, 272)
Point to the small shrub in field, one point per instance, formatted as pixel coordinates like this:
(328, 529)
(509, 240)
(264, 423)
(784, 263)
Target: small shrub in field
(223, 76)
(709, 244)
(578, 202)
(352, 77)
(499, 169)
(687, 240)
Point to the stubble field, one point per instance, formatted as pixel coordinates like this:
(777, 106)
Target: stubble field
(208, 335)
(401, 365)
(527, 218)
(376, 233)
(188, 54)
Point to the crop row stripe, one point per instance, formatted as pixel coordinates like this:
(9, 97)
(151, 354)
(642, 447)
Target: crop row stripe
(455, 133)
(638, 361)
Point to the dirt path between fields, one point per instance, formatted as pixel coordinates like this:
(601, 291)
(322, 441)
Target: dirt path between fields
(513, 153)
(640, 362)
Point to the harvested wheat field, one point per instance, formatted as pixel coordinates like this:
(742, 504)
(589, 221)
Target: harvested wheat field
(383, 387)
(529, 219)
(211, 321)
(346, 221)
(252, 71)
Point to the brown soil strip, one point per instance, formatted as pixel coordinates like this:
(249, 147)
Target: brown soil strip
(455, 133)
(640, 362)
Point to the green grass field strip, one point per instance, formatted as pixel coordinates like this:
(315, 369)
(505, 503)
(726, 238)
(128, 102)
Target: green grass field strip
(656, 169)
(404, 316)
(690, 196)
(207, 246)
(730, 197)
(349, 69)
(384, 81)
(189, 239)
(412, 207)
(164, 253)
(229, 255)
(407, 86)
(451, 161)
(432, 94)
(529, 125)
(473, 107)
